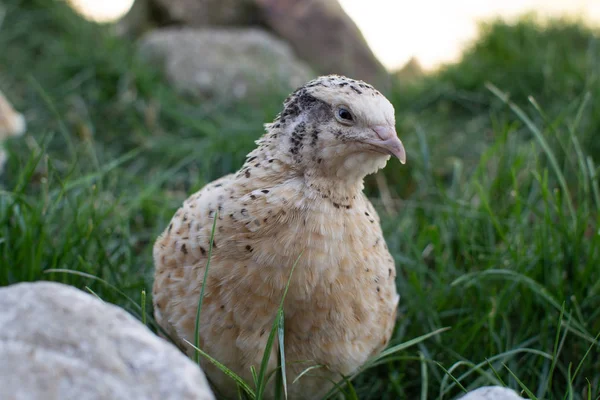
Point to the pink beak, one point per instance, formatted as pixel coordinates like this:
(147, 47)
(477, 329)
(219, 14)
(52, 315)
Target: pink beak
(387, 140)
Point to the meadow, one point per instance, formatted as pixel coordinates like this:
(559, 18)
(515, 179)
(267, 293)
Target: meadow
(493, 222)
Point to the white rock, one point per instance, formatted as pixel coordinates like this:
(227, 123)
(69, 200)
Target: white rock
(12, 123)
(57, 342)
(492, 393)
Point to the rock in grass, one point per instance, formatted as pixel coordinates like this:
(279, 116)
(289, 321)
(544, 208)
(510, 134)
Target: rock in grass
(57, 342)
(224, 64)
(12, 123)
(492, 393)
(319, 31)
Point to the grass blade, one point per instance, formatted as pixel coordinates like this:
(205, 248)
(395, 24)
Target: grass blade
(424, 377)
(225, 370)
(267, 354)
(90, 276)
(199, 309)
(405, 345)
(143, 295)
(525, 388)
(307, 370)
(590, 347)
(281, 331)
(449, 374)
(542, 141)
(558, 344)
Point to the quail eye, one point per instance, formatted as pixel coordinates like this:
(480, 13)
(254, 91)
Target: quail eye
(344, 115)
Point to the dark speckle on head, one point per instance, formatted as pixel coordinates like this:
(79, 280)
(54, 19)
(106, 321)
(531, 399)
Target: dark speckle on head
(355, 89)
(314, 136)
(339, 134)
(299, 131)
(301, 101)
(297, 138)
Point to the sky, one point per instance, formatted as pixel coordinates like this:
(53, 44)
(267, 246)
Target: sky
(432, 31)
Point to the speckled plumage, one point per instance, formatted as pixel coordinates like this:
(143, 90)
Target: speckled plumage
(299, 191)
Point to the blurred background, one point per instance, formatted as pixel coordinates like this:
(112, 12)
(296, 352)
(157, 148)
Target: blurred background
(493, 222)
(438, 30)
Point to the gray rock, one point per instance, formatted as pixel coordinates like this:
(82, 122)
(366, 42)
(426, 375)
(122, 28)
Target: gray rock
(319, 31)
(224, 63)
(492, 393)
(57, 342)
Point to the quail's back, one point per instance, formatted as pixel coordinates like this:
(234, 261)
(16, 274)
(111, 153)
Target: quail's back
(299, 193)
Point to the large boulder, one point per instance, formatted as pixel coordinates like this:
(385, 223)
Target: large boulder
(319, 31)
(59, 343)
(224, 63)
(325, 36)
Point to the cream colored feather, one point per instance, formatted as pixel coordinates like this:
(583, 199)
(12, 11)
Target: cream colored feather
(299, 191)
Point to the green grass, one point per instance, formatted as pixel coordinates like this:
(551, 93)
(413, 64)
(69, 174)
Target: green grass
(493, 222)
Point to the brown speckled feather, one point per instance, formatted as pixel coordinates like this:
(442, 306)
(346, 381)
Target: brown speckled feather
(299, 192)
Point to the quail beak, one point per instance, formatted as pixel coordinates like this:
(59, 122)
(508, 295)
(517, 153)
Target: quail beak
(386, 141)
